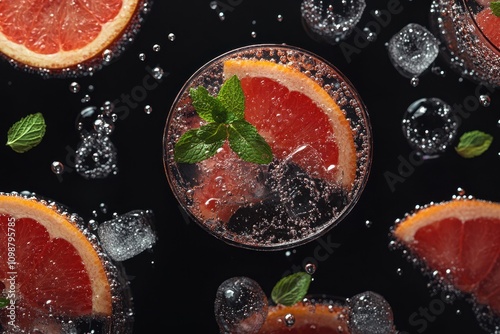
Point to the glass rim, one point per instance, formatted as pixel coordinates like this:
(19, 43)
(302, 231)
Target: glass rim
(359, 185)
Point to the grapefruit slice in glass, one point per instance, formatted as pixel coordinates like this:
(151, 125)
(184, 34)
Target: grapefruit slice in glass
(52, 270)
(489, 23)
(318, 130)
(66, 37)
(460, 241)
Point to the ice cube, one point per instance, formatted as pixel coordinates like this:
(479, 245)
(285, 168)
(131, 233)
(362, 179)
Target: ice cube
(412, 50)
(370, 313)
(127, 235)
(240, 306)
(331, 20)
(95, 157)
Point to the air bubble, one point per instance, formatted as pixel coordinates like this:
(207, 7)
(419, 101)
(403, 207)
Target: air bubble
(74, 87)
(171, 37)
(57, 167)
(148, 109)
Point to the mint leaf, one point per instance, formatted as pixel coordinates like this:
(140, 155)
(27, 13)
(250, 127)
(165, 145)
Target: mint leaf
(291, 289)
(4, 302)
(199, 144)
(225, 117)
(495, 8)
(248, 143)
(26, 133)
(204, 103)
(473, 144)
(232, 98)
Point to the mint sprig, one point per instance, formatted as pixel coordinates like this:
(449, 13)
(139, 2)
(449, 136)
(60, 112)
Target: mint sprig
(473, 144)
(26, 133)
(291, 289)
(495, 8)
(225, 117)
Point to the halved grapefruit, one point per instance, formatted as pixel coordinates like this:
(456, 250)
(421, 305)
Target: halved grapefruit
(460, 240)
(49, 268)
(299, 120)
(61, 34)
(304, 318)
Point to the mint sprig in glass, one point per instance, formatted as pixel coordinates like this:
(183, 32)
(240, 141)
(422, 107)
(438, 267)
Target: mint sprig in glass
(225, 117)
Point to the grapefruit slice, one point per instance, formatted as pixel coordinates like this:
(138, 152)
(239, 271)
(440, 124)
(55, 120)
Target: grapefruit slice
(48, 266)
(60, 34)
(489, 23)
(299, 120)
(460, 239)
(306, 318)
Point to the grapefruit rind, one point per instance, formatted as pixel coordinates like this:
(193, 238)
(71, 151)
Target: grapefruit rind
(306, 316)
(59, 226)
(462, 209)
(295, 80)
(110, 32)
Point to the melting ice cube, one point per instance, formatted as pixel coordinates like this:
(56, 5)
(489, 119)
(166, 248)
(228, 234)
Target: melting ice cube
(412, 50)
(370, 313)
(331, 20)
(127, 235)
(240, 306)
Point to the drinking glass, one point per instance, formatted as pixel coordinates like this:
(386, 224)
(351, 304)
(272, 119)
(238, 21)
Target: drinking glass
(464, 45)
(277, 205)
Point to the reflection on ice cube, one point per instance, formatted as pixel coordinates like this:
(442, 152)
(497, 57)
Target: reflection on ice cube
(331, 20)
(127, 235)
(412, 50)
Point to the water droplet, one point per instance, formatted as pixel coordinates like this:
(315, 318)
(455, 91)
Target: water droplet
(399, 271)
(85, 99)
(280, 18)
(148, 109)
(222, 17)
(414, 81)
(57, 167)
(74, 87)
(103, 207)
(171, 37)
(289, 319)
(253, 34)
(213, 5)
(310, 268)
(158, 73)
(156, 47)
(142, 56)
(107, 108)
(485, 100)
(107, 55)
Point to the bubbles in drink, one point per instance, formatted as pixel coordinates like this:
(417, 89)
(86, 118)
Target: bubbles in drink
(156, 47)
(279, 18)
(331, 20)
(127, 235)
(240, 306)
(158, 73)
(369, 313)
(412, 50)
(430, 125)
(171, 37)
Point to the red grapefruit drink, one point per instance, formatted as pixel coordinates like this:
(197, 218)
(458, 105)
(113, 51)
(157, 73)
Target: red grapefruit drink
(471, 38)
(54, 275)
(297, 117)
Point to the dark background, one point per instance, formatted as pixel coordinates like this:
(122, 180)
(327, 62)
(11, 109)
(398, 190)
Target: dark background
(176, 282)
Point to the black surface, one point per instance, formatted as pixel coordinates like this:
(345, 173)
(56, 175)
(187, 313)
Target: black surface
(176, 282)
